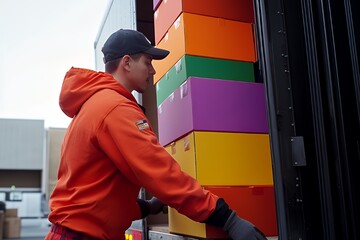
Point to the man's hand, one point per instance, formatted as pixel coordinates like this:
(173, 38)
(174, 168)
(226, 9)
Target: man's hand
(240, 229)
(155, 205)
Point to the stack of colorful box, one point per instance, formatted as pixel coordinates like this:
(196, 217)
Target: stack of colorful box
(211, 113)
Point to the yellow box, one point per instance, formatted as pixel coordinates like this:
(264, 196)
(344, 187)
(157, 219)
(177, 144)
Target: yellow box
(181, 224)
(224, 159)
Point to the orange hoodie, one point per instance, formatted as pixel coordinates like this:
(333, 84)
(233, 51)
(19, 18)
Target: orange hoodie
(108, 153)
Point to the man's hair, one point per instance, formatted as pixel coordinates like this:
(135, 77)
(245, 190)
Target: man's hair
(111, 66)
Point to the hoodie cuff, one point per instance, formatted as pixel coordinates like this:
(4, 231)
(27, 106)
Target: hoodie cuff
(220, 215)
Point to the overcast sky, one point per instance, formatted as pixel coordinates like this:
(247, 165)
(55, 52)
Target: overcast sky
(39, 41)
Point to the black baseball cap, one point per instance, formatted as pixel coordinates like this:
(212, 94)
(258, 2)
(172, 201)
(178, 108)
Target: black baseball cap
(127, 42)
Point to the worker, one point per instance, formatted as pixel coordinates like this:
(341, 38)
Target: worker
(110, 151)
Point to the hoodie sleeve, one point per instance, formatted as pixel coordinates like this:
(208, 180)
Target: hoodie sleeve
(126, 137)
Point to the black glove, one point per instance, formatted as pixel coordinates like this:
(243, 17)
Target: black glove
(152, 206)
(155, 205)
(240, 229)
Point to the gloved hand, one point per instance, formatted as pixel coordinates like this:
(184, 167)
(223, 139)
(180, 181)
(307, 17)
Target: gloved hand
(155, 205)
(240, 229)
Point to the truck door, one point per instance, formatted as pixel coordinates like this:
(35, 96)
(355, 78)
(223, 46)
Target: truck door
(309, 61)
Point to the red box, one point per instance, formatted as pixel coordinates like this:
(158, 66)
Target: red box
(253, 203)
(169, 10)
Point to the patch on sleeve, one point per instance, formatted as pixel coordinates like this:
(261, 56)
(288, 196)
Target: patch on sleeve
(142, 125)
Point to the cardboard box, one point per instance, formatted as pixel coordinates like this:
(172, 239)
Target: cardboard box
(11, 212)
(203, 104)
(224, 159)
(169, 10)
(192, 66)
(253, 203)
(2, 218)
(12, 227)
(206, 37)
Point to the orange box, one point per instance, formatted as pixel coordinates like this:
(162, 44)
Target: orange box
(203, 36)
(169, 10)
(253, 203)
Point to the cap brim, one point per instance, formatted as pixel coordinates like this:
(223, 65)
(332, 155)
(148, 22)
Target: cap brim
(157, 53)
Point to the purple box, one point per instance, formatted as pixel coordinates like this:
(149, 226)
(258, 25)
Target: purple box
(156, 3)
(216, 105)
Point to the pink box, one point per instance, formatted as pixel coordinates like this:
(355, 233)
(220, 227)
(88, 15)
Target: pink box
(204, 104)
(156, 4)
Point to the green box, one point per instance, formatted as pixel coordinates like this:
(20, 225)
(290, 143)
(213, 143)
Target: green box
(192, 66)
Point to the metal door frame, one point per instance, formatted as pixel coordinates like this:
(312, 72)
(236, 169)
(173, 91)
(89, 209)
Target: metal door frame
(308, 59)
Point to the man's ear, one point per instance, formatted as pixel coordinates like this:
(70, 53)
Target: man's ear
(125, 62)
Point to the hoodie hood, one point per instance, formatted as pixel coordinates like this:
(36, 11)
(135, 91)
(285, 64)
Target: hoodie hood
(80, 84)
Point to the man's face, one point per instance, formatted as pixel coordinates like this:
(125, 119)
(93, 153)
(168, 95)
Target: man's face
(141, 72)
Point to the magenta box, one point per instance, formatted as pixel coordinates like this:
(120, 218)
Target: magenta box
(156, 3)
(203, 104)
